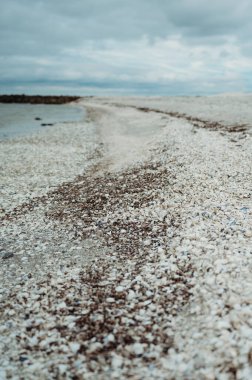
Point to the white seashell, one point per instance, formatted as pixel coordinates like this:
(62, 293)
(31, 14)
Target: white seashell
(33, 341)
(61, 305)
(74, 346)
(10, 312)
(248, 233)
(131, 295)
(119, 289)
(147, 242)
(137, 349)
(62, 368)
(109, 338)
(110, 300)
(94, 346)
(116, 361)
(160, 251)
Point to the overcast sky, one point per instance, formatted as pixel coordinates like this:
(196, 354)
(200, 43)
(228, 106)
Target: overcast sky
(155, 47)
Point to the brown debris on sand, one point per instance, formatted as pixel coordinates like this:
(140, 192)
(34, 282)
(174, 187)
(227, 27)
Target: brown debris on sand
(195, 121)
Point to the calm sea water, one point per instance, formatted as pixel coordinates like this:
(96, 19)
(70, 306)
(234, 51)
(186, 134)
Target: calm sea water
(23, 119)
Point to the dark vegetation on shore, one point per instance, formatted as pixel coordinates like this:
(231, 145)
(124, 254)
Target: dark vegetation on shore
(37, 99)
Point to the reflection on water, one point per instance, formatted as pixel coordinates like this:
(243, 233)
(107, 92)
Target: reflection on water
(23, 119)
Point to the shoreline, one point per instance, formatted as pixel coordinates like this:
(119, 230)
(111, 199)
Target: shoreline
(143, 260)
(33, 163)
(25, 119)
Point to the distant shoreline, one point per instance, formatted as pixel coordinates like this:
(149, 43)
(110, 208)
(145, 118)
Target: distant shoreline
(38, 99)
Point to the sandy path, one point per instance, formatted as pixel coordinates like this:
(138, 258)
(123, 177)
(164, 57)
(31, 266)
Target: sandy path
(167, 215)
(124, 135)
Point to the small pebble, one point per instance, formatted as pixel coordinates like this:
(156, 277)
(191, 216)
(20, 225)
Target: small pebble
(7, 255)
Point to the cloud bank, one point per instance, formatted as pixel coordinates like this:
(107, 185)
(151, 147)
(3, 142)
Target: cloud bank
(173, 47)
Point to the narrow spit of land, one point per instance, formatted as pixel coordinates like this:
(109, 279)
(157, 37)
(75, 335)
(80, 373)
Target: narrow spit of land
(37, 99)
(140, 266)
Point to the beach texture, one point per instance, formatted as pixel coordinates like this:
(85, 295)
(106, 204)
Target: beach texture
(126, 243)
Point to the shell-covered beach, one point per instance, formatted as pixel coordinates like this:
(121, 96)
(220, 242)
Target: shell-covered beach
(126, 242)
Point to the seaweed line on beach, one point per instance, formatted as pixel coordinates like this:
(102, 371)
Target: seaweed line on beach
(195, 121)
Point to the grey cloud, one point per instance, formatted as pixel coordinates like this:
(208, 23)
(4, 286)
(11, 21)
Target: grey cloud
(45, 40)
(64, 21)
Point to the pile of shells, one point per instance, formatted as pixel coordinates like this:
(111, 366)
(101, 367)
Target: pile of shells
(167, 291)
(108, 318)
